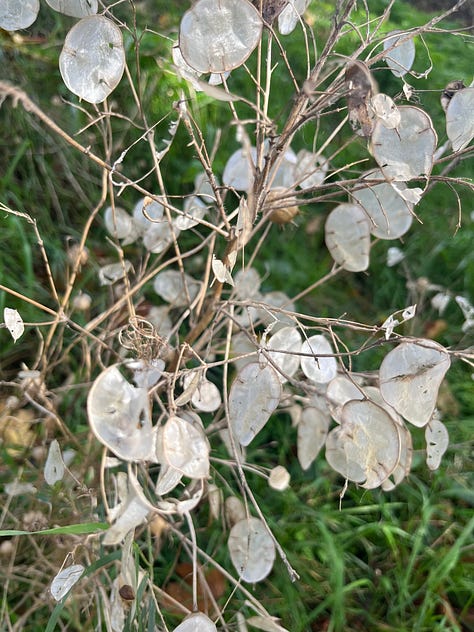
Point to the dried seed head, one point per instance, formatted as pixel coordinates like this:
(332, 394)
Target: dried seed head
(281, 211)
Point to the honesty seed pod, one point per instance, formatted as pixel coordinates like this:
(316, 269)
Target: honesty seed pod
(280, 211)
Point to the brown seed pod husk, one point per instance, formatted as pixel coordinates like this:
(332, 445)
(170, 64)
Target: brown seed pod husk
(283, 211)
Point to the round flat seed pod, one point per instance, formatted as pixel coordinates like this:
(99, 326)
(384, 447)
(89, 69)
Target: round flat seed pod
(238, 171)
(219, 35)
(253, 396)
(65, 580)
(119, 416)
(290, 16)
(319, 366)
(365, 448)
(118, 222)
(74, 8)
(385, 109)
(389, 214)
(402, 469)
(310, 169)
(206, 396)
(410, 377)
(185, 447)
(175, 289)
(158, 236)
(407, 151)
(312, 432)
(247, 283)
(341, 390)
(194, 209)
(437, 441)
(148, 208)
(251, 549)
(460, 118)
(401, 58)
(196, 622)
(347, 235)
(287, 341)
(92, 60)
(279, 478)
(18, 14)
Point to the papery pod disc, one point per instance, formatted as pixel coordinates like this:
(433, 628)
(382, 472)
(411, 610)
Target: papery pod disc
(113, 272)
(54, 467)
(159, 317)
(312, 432)
(437, 442)
(196, 622)
(243, 351)
(190, 499)
(194, 209)
(310, 169)
(175, 289)
(279, 478)
(284, 348)
(118, 222)
(18, 14)
(184, 70)
(407, 151)
(146, 374)
(385, 109)
(251, 549)
(234, 510)
(119, 416)
(322, 366)
(247, 283)
(341, 390)
(203, 188)
(253, 396)
(290, 16)
(74, 8)
(460, 118)
(402, 469)
(239, 169)
(410, 377)
(400, 59)
(148, 208)
(373, 393)
(92, 60)
(219, 35)
(284, 175)
(65, 580)
(185, 447)
(158, 237)
(132, 512)
(14, 323)
(168, 479)
(206, 396)
(347, 235)
(275, 317)
(389, 214)
(365, 448)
